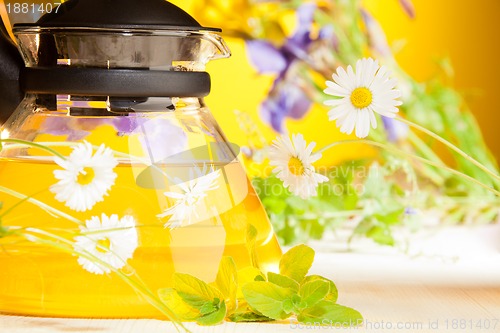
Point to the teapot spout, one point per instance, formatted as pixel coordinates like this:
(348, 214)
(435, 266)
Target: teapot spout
(11, 63)
(218, 48)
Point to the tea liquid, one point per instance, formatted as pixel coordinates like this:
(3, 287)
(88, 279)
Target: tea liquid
(44, 281)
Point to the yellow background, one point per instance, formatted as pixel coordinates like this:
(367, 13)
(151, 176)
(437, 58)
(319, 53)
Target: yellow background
(465, 31)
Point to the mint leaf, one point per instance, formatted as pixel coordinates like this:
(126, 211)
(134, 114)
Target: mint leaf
(251, 243)
(333, 294)
(248, 316)
(391, 218)
(194, 291)
(246, 275)
(314, 291)
(267, 298)
(330, 314)
(215, 317)
(288, 305)
(208, 307)
(282, 281)
(381, 235)
(183, 311)
(227, 281)
(296, 262)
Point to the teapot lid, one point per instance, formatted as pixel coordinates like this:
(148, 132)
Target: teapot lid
(119, 14)
(84, 32)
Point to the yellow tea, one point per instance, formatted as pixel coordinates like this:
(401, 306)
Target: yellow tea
(41, 280)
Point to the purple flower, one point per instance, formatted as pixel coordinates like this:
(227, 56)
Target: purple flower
(376, 35)
(290, 101)
(396, 130)
(76, 129)
(408, 7)
(411, 211)
(159, 137)
(286, 99)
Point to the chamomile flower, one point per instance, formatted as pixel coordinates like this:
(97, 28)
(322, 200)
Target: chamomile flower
(86, 178)
(293, 165)
(361, 94)
(189, 198)
(110, 239)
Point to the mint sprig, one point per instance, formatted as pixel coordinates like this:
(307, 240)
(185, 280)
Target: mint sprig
(249, 295)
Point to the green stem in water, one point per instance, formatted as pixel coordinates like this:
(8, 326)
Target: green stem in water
(19, 203)
(34, 145)
(115, 153)
(40, 204)
(412, 156)
(451, 146)
(40, 237)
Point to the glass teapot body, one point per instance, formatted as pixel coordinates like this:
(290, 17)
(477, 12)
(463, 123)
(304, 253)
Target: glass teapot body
(129, 183)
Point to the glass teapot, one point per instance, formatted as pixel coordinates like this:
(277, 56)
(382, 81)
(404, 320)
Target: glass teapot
(113, 154)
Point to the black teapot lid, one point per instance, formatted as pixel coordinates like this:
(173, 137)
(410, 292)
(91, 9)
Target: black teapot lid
(122, 16)
(119, 14)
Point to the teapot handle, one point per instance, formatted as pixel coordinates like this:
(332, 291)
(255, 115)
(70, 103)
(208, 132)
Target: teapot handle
(11, 64)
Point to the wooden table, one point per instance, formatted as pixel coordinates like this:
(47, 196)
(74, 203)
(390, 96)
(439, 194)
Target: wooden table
(395, 292)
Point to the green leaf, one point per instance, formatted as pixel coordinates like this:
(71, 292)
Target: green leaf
(382, 236)
(248, 316)
(267, 298)
(194, 291)
(246, 275)
(215, 317)
(274, 205)
(288, 305)
(296, 262)
(183, 311)
(314, 291)
(392, 218)
(283, 281)
(330, 314)
(208, 307)
(227, 281)
(251, 243)
(333, 293)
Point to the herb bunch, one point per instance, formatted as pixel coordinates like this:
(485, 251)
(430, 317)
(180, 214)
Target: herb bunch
(249, 295)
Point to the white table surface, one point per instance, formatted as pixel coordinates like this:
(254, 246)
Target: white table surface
(430, 284)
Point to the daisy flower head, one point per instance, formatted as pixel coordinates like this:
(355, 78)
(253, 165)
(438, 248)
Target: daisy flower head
(292, 159)
(189, 198)
(86, 176)
(361, 94)
(110, 239)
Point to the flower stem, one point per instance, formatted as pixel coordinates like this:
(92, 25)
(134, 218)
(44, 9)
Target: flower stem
(40, 204)
(451, 146)
(34, 145)
(412, 156)
(40, 237)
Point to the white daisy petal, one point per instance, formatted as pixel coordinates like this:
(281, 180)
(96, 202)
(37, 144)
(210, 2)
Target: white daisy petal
(335, 102)
(335, 89)
(373, 120)
(343, 79)
(350, 123)
(189, 198)
(363, 124)
(370, 90)
(109, 239)
(87, 177)
(294, 167)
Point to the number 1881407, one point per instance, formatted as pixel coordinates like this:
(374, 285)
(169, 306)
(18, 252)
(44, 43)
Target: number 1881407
(32, 8)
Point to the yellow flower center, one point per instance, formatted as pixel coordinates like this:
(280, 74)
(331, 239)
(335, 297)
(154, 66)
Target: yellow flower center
(361, 97)
(86, 176)
(296, 166)
(103, 245)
